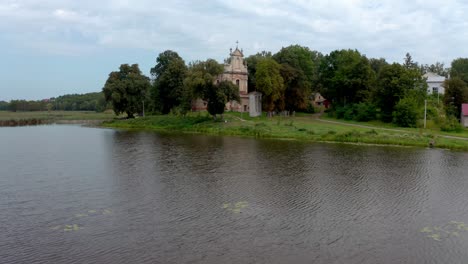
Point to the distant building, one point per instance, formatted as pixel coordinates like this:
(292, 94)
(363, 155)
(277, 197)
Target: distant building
(464, 115)
(235, 71)
(434, 83)
(319, 101)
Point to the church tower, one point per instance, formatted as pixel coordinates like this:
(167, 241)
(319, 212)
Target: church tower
(235, 71)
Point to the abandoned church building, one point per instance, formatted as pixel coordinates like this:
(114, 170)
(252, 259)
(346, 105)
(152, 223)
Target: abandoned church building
(235, 71)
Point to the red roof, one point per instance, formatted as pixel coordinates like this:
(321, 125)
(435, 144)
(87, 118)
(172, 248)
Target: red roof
(465, 109)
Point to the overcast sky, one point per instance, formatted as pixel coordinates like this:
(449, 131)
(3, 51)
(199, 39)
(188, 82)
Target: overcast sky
(55, 47)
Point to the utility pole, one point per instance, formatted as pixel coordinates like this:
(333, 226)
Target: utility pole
(425, 113)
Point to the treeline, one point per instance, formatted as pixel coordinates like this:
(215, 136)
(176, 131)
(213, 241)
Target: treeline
(81, 102)
(359, 88)
(71, 102)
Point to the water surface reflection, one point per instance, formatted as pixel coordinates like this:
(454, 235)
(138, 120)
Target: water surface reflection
(151, 198)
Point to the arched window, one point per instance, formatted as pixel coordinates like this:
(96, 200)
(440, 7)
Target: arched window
(237, 83)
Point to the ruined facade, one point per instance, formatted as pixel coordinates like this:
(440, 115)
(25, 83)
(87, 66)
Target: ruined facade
(235, 71)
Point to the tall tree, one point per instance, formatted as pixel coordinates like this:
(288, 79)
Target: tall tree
(460, 69)
(409, 63)
(346, 77)
(200, 81)
(201, 75)
(217, 95)
(456, 93)
(168, 87)
(270, 83)
(377, 64)
(126, 89)
(395, 81)
(297, 70)
(252, 61)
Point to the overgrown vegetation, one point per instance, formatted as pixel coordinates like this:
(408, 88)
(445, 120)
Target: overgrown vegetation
(8, 118)
(302, 127)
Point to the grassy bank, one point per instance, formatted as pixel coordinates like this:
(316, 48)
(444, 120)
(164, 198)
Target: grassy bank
(8, 118)
(302, 127)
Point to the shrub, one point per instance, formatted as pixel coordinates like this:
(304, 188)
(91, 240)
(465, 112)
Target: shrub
(310, 108)
(365, 112)
(405, 113)
(450, 124)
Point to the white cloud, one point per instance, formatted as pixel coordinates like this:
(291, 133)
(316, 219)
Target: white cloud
(430, 30)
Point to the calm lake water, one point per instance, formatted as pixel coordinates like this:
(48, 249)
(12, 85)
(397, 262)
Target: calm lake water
(71, 194)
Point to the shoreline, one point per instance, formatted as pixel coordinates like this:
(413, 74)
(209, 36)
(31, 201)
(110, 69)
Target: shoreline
(295, 128)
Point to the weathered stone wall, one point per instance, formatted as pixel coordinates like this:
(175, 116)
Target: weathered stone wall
(233, 77)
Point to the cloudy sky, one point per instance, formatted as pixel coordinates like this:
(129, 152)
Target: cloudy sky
(55, 47)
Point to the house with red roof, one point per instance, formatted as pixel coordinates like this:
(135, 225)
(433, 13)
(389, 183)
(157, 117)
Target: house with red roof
(464, 115)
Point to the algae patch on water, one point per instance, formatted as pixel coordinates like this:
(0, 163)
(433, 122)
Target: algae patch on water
(235, 207)
(81, 217)
(67, 228)
(438, 233)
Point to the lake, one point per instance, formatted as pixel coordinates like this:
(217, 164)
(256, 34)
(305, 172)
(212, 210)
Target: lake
(72, 194)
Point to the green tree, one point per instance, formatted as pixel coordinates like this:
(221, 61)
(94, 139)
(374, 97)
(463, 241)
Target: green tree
(456, 93)
(4, 105)
(409, 63)
(125, 89)
(377, 64)
(80, 102)
(269, 83)
(394, 82)
(406, 112)
(252, 61)
(437, 68)
(200, 82)
(298, 72)
(460, 69)
(346, 77)
(201, 76)
(168, 89)
(217, 95)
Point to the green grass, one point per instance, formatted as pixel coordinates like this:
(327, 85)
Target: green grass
(301, 127)
(56, 115)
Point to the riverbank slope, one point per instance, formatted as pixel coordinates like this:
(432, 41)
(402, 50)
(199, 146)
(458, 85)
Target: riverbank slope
(302, 127)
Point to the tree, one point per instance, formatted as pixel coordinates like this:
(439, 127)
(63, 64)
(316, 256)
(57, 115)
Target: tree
(201, 75)
(346, 77)
(80, 102)
(217, 95)
(4, 105)
(298, 72)
(125, 89)
(456, 93)
(200, 82)
(269, 82)
(168, 89)
(437, 68)
(252, 61)
(409, 63)
(377, 64)
(394, 82)
(460, 69)
(406, 112)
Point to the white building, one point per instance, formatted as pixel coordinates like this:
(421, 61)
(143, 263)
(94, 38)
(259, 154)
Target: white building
(434, 83)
